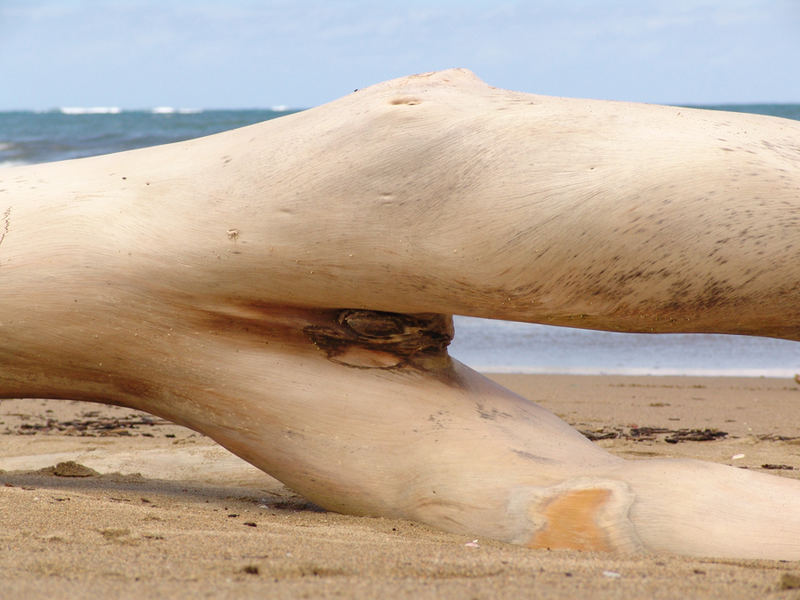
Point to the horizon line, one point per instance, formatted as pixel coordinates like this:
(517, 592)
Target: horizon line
(156, 110)
(168, 109)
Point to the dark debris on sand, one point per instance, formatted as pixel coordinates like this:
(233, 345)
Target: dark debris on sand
(90, 425)
(640, 434)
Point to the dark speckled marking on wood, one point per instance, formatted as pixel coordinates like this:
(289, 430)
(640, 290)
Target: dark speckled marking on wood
(5, 224)
(524, 454)
(490, 415)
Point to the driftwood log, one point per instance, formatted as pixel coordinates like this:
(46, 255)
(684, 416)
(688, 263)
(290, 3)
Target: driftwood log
(287, 289)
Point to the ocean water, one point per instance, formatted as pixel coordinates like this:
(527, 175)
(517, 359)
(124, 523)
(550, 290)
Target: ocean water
(28, 137)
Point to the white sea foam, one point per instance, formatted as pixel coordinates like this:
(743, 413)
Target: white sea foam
(171, 110)
(12, 163)
(90, 110)
(5, 146)
(688, 372)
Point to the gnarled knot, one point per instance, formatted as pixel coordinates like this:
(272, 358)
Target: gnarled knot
(373, 325)
(404, 336)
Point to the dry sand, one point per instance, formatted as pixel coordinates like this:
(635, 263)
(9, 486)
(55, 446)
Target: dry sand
(150, 509)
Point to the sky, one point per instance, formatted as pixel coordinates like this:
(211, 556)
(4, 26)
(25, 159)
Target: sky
(301, 53)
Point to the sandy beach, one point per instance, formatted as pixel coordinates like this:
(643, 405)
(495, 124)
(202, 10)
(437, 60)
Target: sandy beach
(99, 501)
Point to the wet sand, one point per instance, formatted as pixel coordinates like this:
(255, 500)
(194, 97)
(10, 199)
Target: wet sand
(99, 501)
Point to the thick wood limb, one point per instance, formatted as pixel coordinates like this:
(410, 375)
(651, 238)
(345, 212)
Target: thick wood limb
(286, 288)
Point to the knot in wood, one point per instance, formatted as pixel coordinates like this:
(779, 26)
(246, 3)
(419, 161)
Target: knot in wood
(372, 324)
(405, 333)
(404, 336)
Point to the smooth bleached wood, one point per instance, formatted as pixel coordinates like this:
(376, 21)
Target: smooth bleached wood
(286, 289)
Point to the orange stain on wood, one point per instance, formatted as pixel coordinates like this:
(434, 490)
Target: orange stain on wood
(572, 524)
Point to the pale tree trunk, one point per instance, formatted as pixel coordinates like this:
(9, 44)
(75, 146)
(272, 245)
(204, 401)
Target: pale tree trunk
(286, 288)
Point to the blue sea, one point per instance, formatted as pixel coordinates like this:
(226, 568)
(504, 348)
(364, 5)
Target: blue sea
(28, 137)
